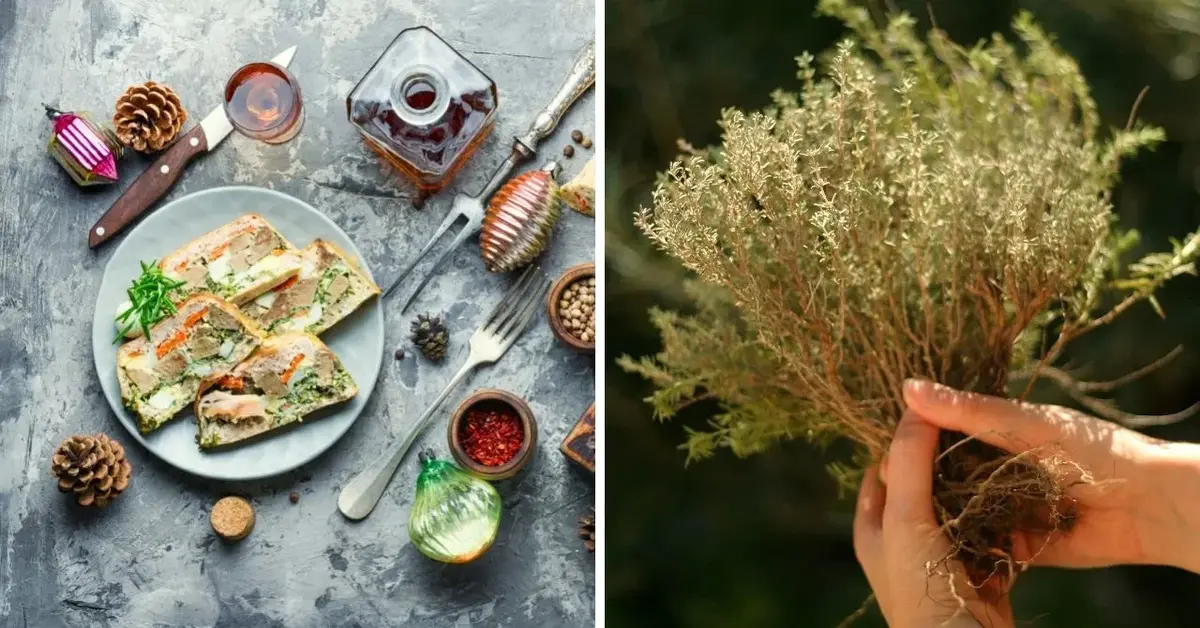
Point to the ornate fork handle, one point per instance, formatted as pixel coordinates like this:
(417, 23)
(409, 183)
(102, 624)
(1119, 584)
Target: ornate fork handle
(359, 496)
(578, 80)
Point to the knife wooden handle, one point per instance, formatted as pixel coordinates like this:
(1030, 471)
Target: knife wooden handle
(152, 185)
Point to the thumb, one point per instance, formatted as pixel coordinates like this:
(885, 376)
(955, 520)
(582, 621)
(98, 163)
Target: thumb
(910, 472)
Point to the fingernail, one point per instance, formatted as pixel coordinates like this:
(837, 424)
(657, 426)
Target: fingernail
(927, 389)
(916, 387)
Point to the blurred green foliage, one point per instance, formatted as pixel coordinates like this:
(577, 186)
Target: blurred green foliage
(765, 541)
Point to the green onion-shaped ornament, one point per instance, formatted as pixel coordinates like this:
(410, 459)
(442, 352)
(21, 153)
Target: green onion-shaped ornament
(454, 516)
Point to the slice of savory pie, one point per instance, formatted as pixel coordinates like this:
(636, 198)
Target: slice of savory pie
(159, 377)
(288, 377)
(329, 287)
(237, 261)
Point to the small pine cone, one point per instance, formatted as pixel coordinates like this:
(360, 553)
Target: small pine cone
(93, 467)
(148, 117)
(587, 531)
(429, 335)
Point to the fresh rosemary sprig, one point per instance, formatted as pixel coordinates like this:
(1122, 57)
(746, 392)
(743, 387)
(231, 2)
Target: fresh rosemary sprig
(150, 299)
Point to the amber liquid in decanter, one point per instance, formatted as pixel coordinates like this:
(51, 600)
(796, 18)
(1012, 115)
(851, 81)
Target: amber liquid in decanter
(423, 108)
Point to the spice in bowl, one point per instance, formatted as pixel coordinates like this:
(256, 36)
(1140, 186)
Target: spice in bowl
(491, 434)
(577, 307)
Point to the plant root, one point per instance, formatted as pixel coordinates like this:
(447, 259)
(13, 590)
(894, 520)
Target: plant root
(984, 497)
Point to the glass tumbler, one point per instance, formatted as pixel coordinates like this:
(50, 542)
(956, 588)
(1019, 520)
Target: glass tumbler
(262, 101)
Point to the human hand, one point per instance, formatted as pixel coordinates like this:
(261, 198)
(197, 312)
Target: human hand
(1142, 505)
(906, 557)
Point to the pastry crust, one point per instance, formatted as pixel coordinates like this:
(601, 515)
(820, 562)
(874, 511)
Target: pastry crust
(287, 378)
(237, 261)
(158, 377)
(580, 193)
(330, 287)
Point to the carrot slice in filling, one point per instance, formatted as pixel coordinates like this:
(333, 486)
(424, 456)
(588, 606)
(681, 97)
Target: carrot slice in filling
(195, 318)
(287, 284)
(180, 336)
(291, 369)
(217, 250)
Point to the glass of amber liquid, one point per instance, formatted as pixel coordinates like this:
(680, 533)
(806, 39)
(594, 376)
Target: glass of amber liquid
(423, 107)
(262, 101)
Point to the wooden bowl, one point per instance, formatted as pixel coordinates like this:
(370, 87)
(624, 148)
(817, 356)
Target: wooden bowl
(528, 424)
(572, 274)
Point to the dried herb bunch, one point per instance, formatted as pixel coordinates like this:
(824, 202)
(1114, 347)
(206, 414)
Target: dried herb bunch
(921, 210)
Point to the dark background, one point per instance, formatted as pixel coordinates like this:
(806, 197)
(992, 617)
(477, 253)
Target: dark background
(765, 541)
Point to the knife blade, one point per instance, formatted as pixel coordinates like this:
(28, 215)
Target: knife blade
(158, 179)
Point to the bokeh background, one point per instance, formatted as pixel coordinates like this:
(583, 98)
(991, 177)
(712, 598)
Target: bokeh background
(765, 541)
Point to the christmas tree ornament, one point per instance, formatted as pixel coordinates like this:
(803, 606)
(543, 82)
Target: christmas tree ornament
(88, 151)
(455, 516)
(429, 335)
(93, 467)
(519, 219)
(148, 117)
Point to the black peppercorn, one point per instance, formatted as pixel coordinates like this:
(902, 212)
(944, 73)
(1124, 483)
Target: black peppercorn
(568, 150)
(400, 354)
(577, 136)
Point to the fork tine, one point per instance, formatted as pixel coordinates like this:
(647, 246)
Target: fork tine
(518, 301)
(505, 304)
(515, 326)
(437, 235)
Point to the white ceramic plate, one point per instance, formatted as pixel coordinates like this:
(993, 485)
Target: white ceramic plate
(357, 340)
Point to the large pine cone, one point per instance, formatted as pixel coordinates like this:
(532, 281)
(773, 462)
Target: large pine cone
(148, 117)
(93, 467)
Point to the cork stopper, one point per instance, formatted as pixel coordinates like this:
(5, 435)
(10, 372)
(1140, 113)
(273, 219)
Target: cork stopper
(232, 518)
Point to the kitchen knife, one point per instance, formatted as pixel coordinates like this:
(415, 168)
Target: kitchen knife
(157, 180)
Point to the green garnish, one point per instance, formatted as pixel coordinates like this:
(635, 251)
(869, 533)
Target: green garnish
(150, 299)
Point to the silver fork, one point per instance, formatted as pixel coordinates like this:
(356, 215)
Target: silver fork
(500, 329)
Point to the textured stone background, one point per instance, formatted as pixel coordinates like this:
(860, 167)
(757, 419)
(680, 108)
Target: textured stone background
(151, 560)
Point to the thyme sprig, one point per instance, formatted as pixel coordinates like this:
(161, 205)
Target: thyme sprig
(150, 299)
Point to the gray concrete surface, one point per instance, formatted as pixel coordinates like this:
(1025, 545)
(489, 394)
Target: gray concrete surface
(151, 559)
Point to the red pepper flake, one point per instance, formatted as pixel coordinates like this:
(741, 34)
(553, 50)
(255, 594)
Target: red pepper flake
(491, 434)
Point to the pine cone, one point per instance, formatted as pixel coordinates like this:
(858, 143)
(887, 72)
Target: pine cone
(587, 531)
(430, 336)
(148, 117)
(93, 467)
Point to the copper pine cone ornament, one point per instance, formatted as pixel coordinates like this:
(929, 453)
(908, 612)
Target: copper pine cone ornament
(93, 467)
(149, 116)
(519, 219)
